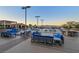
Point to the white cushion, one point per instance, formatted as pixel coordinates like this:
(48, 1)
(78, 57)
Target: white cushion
(55, 38)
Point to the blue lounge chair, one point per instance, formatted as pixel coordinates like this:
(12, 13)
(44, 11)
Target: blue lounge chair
(35, 36)
(58, 38)
(9, 33)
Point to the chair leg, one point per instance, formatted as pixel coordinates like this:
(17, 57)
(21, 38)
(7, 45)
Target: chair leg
(53, 42)
(60, 43)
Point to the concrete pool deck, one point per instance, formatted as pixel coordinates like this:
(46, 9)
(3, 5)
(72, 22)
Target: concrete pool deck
(27, 47)
(5, 40)
(71, 45)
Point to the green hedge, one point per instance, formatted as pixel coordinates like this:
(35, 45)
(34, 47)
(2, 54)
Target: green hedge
(1, 26)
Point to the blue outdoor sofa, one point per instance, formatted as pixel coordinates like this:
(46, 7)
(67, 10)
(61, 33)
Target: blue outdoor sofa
(37, 37)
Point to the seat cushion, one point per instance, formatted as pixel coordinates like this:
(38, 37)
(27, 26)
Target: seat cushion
(55, 38)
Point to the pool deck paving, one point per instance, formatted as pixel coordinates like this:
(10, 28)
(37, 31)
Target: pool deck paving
(20, 45)
(27, 47)
(71, 45)
(7, 43)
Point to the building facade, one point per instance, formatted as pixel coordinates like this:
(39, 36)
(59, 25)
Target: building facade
(11, 24)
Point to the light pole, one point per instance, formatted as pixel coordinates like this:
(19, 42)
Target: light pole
(25, 8)
(4, 24)
(37, 19)
(42, 22)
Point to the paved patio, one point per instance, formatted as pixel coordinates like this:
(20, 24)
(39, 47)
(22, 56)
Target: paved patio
(27, 47)
(5, 40)
(71, 45)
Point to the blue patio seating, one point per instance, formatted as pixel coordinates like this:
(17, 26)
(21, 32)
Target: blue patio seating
(35, 36)
(12, 32)
(42, 39)
(57, 38)
(9, 32)
(49, 40)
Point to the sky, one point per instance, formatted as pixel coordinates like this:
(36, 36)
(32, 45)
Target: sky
(52, 15)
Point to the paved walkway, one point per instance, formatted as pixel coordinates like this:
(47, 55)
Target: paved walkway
(7, 43)
(71, 45)
(28, 47)
(5, 40)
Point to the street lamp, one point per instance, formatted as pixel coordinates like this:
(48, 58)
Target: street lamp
(25, 8)
(42, 22)
(37, 19)
(4, 24)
